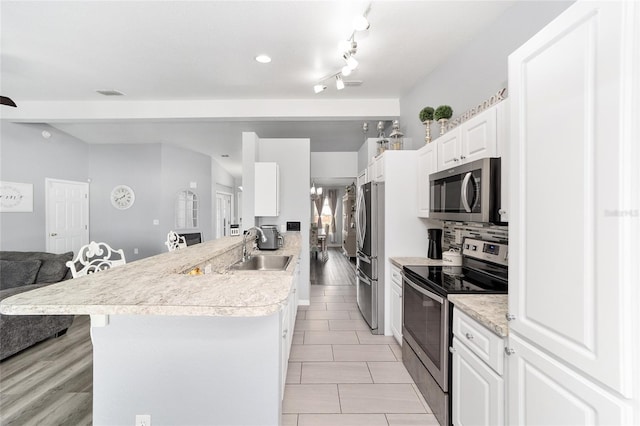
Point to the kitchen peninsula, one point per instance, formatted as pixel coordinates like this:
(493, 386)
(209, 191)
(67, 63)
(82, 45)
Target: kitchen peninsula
(185, 349)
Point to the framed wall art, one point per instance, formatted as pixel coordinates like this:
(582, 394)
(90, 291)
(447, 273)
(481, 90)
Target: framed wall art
(16, 197)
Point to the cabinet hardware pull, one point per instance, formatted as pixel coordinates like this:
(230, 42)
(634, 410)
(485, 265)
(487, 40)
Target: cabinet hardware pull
(462, 157)
(284, 334)
(509, 351)
(509, 317)
(469, 336)
(452, 349)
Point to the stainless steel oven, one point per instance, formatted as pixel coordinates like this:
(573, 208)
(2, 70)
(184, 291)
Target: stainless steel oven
(427, 315)
(470, 192)
(426, 327)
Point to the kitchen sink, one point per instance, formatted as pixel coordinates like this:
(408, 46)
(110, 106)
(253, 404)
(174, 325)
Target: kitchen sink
(263, 263)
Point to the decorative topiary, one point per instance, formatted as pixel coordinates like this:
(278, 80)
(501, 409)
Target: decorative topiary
(426, 114)
(443, 111)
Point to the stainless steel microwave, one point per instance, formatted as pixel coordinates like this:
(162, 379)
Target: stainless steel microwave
(467, 193)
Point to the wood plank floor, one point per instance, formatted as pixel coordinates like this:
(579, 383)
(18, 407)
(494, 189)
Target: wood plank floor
(337, 270)
(50, 383)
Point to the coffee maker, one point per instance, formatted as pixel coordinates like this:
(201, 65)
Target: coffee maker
(435, 243)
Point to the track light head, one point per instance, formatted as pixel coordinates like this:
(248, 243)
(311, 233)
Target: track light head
(350, 60)
(346, 71)
(339, 82)
(319, 88)
(360, 23)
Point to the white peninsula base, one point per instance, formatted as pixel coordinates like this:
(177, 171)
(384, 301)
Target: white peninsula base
(187, 370)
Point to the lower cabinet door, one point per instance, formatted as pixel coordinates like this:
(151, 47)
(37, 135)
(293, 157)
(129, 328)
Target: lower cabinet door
(543, 391)
(477, 391)
(396, 312)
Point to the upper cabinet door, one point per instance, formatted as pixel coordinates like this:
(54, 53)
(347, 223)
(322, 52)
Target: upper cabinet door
(479, 136)
(574, 190)
(449, 149)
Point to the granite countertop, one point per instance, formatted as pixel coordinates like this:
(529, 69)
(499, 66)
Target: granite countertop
(411, 261)
(161, 285)
(488, 309)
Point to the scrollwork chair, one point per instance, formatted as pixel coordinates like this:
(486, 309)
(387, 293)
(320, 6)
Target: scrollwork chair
(95, 257)
(175, 241)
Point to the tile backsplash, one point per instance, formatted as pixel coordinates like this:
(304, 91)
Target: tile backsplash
(482, 231)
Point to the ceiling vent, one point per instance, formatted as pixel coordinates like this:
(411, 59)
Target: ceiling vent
(110, 92)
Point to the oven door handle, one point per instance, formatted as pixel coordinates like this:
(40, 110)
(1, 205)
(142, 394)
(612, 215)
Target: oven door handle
(424, 292)
(363, 258)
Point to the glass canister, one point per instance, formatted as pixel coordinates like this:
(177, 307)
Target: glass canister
(396, 136)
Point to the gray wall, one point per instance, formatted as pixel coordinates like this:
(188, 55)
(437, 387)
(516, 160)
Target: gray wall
(156, 172)
(26, 157)
(478, 70)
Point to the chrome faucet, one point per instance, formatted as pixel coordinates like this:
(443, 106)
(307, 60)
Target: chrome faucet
(247, 255)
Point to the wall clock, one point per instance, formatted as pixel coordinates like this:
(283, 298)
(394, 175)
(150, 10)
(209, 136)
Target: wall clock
(122, 197)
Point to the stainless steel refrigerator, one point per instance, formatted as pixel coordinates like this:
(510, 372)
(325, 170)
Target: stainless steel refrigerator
(370, 255)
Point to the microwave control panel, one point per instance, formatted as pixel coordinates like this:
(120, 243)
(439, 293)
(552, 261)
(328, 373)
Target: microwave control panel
(486, 250)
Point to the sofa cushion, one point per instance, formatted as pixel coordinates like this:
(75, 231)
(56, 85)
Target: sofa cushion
(53, 268)
(18, 273)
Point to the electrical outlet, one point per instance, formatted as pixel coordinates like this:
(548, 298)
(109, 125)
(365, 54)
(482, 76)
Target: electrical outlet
(143, 419)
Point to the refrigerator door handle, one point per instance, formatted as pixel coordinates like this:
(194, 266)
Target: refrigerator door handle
(362, 219)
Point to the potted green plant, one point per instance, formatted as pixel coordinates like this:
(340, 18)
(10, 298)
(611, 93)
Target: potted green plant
(426, 117)
(442, 114)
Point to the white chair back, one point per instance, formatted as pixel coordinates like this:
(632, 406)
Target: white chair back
(175, 241)
(95, 257)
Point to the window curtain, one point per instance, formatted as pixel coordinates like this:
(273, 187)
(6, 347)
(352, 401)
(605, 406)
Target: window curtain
(332, 194)
(319, 201)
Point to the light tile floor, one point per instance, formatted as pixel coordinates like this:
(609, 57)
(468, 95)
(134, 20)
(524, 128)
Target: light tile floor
(342, 375)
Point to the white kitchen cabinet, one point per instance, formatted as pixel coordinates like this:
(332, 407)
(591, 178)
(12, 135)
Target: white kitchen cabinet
(477, 383)
(376, 169)
(396, 303)
(479, 137)
(427, 164)
(363, 177)
(474, 139)
(267, 189)
(288, 321)
(503, 134)
(448, 151)
(573, 176)
(544, 391)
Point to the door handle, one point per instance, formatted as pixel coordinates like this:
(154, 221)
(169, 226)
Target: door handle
(465, 192)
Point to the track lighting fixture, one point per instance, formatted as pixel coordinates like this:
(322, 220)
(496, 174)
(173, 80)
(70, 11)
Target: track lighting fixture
(347, 48)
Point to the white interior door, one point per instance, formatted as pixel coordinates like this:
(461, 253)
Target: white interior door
(223, 214)
(67, 211)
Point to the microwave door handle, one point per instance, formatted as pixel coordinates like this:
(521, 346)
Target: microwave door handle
(465, 192)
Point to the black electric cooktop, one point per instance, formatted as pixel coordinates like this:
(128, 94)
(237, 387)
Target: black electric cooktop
(457, 280)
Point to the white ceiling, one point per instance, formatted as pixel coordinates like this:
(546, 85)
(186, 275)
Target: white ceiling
(204, 50)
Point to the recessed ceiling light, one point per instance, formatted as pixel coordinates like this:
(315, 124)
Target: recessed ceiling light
(263, 59)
